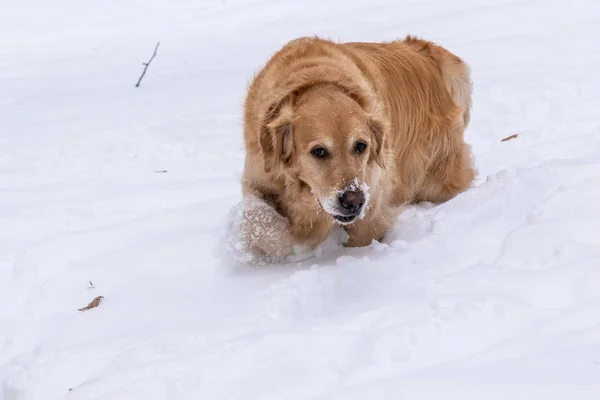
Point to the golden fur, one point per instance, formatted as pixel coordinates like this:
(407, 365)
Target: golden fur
(408, 100)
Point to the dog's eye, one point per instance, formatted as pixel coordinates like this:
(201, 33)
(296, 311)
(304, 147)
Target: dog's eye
(360, 147)
(319, 152)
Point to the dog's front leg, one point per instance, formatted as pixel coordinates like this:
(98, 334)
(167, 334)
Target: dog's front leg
(264, 231)
(362, 233)
(373, 227)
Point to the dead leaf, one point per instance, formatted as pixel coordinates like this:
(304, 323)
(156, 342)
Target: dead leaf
(510, 137)
(95, 303)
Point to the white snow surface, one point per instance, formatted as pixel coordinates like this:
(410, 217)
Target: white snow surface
(492, 295)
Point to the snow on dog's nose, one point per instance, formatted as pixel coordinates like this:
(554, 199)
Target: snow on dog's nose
(348, 204)
(351, 202)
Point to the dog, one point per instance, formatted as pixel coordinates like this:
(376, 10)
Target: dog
(347, 134)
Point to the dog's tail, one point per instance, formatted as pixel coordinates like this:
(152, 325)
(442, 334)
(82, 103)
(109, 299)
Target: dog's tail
(457, 76)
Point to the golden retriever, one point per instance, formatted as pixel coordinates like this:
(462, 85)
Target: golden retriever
(347, 134)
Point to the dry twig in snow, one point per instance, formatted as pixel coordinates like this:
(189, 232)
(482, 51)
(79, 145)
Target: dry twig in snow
(146, 64)
(510, 137)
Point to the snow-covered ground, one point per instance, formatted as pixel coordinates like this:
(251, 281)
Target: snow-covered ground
(493, 295)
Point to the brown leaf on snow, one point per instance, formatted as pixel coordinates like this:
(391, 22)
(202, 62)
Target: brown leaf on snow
(95, 303)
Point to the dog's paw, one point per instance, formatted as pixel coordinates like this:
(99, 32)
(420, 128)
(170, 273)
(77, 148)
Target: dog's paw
(264, 234)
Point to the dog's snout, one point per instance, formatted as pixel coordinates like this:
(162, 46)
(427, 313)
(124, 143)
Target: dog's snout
(352, 200)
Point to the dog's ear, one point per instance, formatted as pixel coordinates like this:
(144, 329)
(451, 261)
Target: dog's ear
(276, 139)
(377, 129)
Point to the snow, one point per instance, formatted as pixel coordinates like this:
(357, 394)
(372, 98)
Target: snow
(495, 294)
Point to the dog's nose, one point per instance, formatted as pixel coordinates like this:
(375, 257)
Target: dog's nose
(352, 200)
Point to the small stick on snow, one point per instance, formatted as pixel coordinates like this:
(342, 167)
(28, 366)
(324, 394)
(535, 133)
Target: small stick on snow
(146, 64)
(510, 137)
(91, 285)
(95, 303)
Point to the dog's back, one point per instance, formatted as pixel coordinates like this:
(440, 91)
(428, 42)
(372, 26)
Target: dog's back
(419, 69)
(455, 72)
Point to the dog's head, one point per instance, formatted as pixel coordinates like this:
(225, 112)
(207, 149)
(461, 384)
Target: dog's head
(326, 142)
